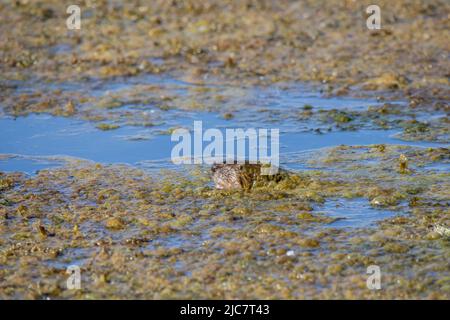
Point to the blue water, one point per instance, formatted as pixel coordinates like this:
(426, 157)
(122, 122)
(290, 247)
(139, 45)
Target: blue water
(48, 136)
(353, 212)
(42, 135)
(26, 164)
(37, 142)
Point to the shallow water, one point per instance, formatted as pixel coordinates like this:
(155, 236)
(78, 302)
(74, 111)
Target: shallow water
(40, 141)
(27, 165)
(49, 136)
(353, 212)
(166, 234)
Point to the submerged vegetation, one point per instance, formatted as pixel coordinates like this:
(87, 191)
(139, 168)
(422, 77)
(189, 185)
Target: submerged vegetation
(185, 239)
(170, 233)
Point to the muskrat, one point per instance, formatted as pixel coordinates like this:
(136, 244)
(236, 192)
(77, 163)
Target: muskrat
(228, 176)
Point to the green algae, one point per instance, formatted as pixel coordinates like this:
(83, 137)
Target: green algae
(177, 233)
(135, 235)
(107, 126)
(222, 43)
(235, 61)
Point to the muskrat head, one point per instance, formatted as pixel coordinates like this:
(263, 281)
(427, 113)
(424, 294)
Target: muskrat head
(234, 176)
(226, 176)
